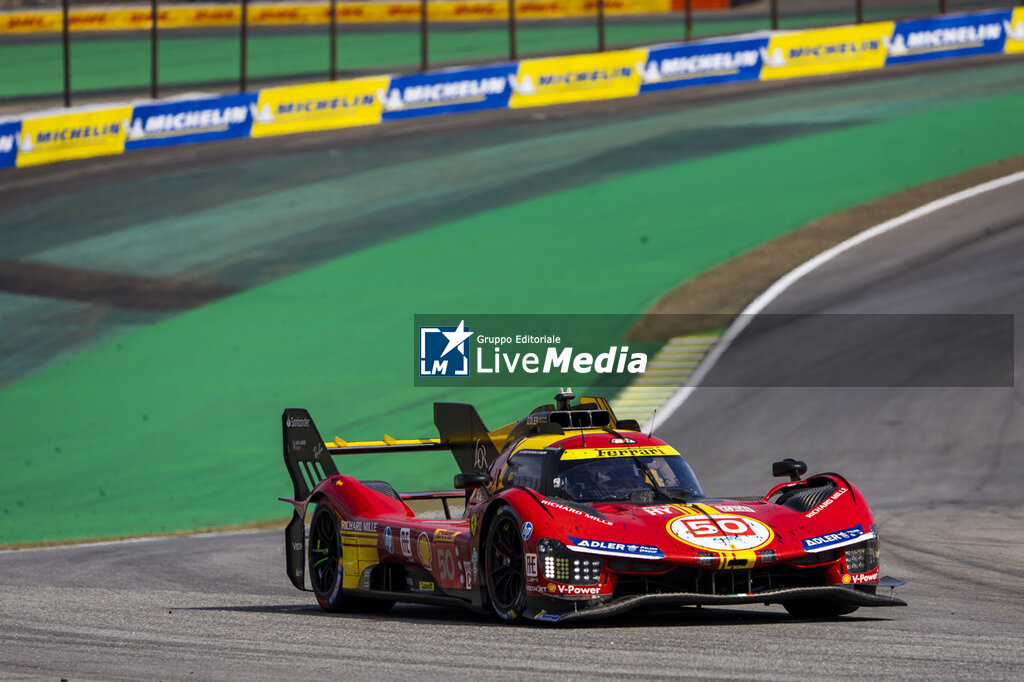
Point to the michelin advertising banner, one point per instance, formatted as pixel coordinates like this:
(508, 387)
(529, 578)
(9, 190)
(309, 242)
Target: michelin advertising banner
(961, 35)
(577, 78)
(1015, 32)
(679, 66)
(827, 50)
(9, 143)
(321, 106)
(52, 136)
(168, 123)
(72, 136)
(448, 92)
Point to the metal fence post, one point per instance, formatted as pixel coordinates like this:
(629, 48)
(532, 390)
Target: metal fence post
(512, 29)
(600, 25)
(334, 40)
(942, 6)
(424, 31)
(775, 15)
(243, 76)
(67, 54)
(154, 90)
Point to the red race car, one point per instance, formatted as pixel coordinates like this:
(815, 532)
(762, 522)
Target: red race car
(571, 513)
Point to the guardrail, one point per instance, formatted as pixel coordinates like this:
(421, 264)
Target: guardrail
(60, 135)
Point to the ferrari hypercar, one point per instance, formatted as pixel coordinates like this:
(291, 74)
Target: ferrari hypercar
(570, 513)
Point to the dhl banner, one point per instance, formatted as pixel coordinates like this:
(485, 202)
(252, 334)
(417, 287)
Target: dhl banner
(322, 106)
(827, 50)
(179, 16)
(72, 136)
(1015, 32)
(577, 78)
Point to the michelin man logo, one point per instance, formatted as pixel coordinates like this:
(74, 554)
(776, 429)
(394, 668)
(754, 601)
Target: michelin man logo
(774, 59)
(896, 46)
(1014, 32)
(444, 351)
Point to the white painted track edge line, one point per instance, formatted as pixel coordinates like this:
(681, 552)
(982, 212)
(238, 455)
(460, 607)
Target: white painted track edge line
(141, 538)
(793, 276)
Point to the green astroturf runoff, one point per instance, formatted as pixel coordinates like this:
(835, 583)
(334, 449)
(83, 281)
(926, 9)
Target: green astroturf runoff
(177, 425)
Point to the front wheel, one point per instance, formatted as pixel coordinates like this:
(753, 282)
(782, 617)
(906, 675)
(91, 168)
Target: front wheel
(505, 567)
(818, 608)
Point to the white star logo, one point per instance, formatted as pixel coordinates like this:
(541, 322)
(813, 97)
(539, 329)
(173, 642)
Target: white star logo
(456, 338)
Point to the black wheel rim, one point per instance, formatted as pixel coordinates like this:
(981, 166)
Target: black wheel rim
(323, 553)
(505, 565)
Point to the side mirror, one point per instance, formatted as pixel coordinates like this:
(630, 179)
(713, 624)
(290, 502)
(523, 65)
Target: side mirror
(471, 480)
(789, 467)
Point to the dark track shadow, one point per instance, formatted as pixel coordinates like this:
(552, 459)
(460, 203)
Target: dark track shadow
(678, 617)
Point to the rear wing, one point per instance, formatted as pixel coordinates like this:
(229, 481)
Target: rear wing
(310, 459)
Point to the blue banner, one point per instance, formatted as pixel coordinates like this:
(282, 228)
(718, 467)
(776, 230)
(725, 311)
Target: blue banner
(449, 92)
(9, 133)
(721, 61)
(959, 35)
(194, 120)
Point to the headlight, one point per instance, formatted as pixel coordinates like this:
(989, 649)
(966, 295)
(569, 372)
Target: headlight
(862, 557)
(557, 562)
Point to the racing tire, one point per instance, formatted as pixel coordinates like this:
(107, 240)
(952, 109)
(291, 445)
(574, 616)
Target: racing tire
(325, 568)
(505, 566)
(818, 608)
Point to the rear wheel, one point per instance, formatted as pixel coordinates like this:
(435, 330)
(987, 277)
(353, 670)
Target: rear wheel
(818, 608)
(326, 570)
(505, 567)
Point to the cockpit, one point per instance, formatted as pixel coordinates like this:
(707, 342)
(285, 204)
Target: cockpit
(628, 474)
(640, 478)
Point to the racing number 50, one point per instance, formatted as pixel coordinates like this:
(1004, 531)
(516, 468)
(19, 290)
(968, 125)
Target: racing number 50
(731, 526)
(446, 566)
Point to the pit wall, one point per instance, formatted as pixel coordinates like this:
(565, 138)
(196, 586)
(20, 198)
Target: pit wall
(58, 135)
(310, 13)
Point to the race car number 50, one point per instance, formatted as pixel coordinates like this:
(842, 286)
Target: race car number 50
(722, 533)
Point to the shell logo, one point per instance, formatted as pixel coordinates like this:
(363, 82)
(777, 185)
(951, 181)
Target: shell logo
(423, 547)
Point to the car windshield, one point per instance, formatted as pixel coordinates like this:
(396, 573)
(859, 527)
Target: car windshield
(623, 479)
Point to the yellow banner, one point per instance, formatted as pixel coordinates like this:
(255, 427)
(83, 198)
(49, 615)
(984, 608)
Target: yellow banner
(828, 50)
(577, 78)
(72, 136)
(605, 453)
(1015, 32)
(178, 16)
(321, 106)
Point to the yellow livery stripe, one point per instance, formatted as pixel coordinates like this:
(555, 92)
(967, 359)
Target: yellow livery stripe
(604, 453)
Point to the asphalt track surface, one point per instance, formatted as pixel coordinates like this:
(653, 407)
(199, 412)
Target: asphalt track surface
(941, 467)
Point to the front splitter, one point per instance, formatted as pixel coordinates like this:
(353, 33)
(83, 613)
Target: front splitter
(839, 594)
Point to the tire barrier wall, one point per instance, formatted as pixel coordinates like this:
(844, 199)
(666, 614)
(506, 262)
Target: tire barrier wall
(281, 14)
(60, 134)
